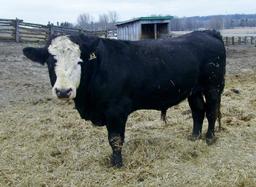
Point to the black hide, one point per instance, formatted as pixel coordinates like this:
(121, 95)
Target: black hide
(119, 77)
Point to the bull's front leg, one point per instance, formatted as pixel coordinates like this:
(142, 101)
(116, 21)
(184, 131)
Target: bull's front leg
(116, 144)
(116, 139)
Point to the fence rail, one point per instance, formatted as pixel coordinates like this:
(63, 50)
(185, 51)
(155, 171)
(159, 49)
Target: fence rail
(231, 39)
(19, 31)
(239, 40)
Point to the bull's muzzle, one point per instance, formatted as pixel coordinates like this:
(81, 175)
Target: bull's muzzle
(63, 93)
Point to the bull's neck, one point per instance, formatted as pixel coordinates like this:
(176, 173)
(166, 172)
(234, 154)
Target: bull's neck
(87, 72)
(89, 66)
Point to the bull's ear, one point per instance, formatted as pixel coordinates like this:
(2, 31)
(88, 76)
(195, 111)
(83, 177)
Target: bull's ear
(36, 54)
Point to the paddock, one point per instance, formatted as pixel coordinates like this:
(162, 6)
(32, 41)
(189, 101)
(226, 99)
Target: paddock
(44, 142)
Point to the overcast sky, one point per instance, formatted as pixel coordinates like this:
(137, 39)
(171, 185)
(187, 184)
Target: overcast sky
(64, 10)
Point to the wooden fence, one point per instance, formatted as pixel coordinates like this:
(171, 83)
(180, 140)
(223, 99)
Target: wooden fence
(235, 39)
(239, 40)
(19, 31)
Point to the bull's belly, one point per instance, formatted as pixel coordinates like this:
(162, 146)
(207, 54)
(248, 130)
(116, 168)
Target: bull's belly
(161, 101)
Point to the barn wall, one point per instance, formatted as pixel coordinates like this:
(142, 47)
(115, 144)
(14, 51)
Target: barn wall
(129, 31)
(133, 30)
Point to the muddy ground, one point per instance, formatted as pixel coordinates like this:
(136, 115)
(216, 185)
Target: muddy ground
(43, 141)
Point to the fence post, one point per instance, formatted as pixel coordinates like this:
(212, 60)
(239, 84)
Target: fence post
(239, 40)
(233, 40)
(17, 29)
(226, 40)
(51, 31)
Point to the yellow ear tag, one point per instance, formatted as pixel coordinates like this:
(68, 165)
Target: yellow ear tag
(92, 56)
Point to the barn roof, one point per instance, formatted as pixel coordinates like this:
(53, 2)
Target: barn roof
(148, 18)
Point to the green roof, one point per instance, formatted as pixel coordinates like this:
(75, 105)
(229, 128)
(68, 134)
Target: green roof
(148, 18)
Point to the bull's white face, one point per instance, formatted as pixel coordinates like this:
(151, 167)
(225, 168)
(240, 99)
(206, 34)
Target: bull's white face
(67, 68)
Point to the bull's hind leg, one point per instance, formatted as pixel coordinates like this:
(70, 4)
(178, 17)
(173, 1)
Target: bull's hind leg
(197, 105)
(212, 97)
(163, 115)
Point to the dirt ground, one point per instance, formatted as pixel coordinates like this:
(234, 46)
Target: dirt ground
(43, 141)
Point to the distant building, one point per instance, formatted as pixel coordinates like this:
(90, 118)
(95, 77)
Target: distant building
(153, 27)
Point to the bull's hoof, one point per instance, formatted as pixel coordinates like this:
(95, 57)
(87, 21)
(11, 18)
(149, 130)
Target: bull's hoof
(194, 137)
(117, 160)
(211, 140)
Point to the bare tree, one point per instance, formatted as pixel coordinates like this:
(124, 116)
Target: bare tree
(113, 17)
(106, 21)
(85, 21)
(103, 21)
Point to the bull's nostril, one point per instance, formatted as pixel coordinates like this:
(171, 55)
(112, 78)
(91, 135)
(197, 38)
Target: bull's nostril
(69, 91)
(58, 92)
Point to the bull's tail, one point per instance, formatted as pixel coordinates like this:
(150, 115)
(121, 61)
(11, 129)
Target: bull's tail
(219, 115)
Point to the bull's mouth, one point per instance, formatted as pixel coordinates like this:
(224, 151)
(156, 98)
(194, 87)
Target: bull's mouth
(63, 98)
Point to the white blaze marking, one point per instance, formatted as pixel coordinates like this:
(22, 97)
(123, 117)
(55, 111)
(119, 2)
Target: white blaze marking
(68, 71)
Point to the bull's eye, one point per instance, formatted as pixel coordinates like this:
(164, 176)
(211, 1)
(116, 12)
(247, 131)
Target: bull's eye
(80, 62)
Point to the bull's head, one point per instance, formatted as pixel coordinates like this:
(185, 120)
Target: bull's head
(63, 58)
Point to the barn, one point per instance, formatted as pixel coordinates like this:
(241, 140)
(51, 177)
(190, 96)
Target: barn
(141, 28)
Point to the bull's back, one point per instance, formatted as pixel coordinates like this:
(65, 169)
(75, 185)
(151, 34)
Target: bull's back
(159, 74)
(163, 75)
(176, 67)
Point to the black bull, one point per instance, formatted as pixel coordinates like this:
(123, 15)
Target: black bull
(119, 77)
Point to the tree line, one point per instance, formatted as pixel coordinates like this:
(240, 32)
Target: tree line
(213, 22)
(106, 21)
